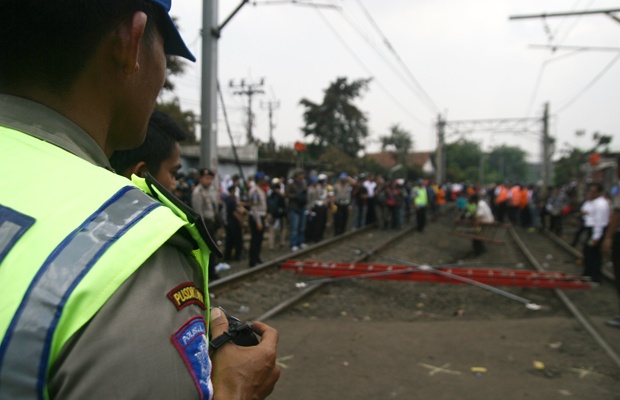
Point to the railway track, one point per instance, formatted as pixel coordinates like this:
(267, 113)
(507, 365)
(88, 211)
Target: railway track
(585, 306)
(281, 287)
(266, 291)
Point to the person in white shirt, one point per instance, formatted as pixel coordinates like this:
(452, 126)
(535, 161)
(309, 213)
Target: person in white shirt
(371, 186)
(598, 218)
(483, 212)
(483, 215)
(586, 219)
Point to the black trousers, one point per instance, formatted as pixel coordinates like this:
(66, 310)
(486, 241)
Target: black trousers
(555, 225)
(315, 225)
(234, 242)
(256, 241)
(340, 219)
(478, 246)
(501, 211)
(371, 214)
(592, 258)
(420, 215)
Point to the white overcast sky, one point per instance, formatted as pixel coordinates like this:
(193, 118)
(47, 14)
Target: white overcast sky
(466, 55)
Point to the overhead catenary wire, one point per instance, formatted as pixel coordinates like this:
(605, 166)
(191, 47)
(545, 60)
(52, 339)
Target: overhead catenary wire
(590, 84)
(363, 65)
(543, 66)
(399, 74)
(552, 37)
(574, 22)
(387, 43)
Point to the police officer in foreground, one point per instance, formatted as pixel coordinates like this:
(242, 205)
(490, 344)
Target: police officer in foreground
(102, 287)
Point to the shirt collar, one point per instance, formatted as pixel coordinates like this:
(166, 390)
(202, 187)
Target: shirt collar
(42, 122)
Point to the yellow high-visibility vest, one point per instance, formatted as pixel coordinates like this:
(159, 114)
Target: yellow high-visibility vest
(65, 249)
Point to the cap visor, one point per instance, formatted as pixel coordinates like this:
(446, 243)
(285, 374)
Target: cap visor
(174, 44)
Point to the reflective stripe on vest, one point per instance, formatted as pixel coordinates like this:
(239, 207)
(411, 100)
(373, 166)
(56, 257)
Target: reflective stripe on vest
(25, 349)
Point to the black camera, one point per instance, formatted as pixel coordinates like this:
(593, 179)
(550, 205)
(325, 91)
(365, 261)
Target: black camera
(242, 333)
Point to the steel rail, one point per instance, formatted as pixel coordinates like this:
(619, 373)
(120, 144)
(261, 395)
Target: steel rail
(573, 251)
(567, 302)
(312, 288)
(243, 275)
(427, 268)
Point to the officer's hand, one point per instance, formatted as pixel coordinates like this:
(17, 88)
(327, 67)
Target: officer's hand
(244, 372)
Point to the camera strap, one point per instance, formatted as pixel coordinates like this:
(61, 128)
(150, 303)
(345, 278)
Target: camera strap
(220, 341)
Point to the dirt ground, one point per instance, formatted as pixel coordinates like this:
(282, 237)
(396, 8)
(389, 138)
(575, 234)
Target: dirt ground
(395, 340)
(345, 359)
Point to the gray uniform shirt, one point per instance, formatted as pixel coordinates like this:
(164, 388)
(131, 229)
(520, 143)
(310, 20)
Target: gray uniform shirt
(204, 201)
(125, 351)
(258, 203)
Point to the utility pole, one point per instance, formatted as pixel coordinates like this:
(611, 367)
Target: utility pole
(211, 32)
(208, 95)
(440, 153)
(546, 161)
(271, 105)
(249, 89)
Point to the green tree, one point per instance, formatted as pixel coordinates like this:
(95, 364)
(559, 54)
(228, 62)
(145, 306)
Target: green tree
(570, 164)
(398, 142)
(568, 167)
(337, 121)
(463, 161)
(508, 163)
(334, 159)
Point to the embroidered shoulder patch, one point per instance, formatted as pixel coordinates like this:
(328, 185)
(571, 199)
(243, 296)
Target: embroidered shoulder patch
(185, 294)
(192, 343)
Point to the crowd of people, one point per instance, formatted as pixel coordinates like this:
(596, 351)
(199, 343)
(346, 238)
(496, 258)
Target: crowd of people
(530, 207)
(298, 210)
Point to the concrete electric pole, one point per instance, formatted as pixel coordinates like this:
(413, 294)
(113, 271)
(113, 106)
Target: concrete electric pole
(249, 89)
(440, 153)
(271, 105)
(211, 32)
(208, 95)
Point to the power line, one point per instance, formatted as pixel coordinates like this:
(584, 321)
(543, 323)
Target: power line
(401, 62)
(590, 84)
(575, 21)
(344, 43)
(381, 56)
(540, 75)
